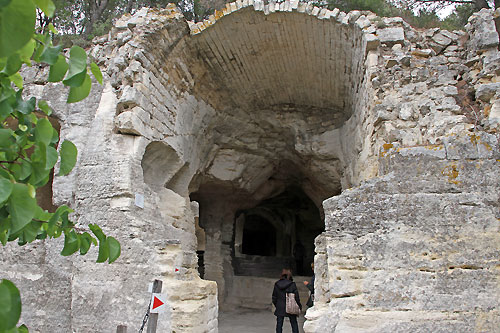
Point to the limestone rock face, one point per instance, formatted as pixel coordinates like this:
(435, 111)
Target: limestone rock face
(428, 227)
(396, 128)
(485, 35)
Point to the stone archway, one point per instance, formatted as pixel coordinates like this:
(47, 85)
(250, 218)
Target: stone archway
(259, 108)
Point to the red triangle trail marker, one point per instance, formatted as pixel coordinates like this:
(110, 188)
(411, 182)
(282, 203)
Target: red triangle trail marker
(157, 303)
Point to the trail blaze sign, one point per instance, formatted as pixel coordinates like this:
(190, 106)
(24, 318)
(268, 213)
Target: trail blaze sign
(157, 303)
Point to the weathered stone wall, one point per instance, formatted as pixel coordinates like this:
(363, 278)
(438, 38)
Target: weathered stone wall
(115, 167)
(416, 249)
(232, 110)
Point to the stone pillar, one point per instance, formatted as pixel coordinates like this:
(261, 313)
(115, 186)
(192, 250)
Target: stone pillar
(217, 218)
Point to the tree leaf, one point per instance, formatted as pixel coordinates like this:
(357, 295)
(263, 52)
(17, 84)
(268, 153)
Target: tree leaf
(25, 107)
(41, 234)
(44, 106)
(5, 109)
(68, 154)
(5, 226)
(77, 80)
(55, 218)
(39, 154)
(47, 6)
(17, 79)
(71, 243)
(6, 137)
(38, 162)
(43, 131)
(96, 230)
(31, 231)
(76, 94)
(103, 250)
(5, 189)
(25, 171)
(17, 24)
(85, 242)
(66, 223)
(77, 64)
(4, 3)
(22, 206)
(43, 215)
(114, 249)
(27, 51)
(51, 159)
(58, 70)
(50, 54)
(13, 64)
(10, 305)
(52, 28)
(55, 137)
(96, 71)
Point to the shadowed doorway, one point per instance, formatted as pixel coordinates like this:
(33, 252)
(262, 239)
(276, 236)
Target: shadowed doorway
(266, 236)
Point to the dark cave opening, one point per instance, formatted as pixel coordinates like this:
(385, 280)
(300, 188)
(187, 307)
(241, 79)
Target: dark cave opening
(259, 237)
(278, 232)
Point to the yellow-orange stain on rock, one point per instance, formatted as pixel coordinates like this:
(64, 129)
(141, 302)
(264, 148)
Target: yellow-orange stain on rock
(487, 110)
(434, 147)
(451, 171)
(474, 139)
(386, 147)
(477, 140)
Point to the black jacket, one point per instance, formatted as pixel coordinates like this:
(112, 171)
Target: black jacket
(281, 287)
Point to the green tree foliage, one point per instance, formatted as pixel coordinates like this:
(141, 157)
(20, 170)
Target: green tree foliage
(380, 7)
(458, 19)
(78, 21)
(81, 20)
(422, 18)
(418, 13)
(29, 145)
(461, 10)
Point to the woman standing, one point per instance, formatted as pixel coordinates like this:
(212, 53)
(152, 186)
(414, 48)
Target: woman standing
(283, 286)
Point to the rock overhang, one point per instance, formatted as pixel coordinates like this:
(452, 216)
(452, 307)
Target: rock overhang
(284, 60)
(288, 72)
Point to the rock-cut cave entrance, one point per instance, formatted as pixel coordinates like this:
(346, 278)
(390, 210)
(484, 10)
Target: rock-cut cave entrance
(287, 91)
(248, 240)
(268, 128)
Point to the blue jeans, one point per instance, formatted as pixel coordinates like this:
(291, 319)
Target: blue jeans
(293, 322)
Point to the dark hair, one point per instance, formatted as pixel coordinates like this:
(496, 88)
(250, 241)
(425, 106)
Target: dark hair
(286, 274)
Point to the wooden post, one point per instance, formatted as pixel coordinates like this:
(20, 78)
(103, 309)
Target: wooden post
(153, 317)
(121, 329)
